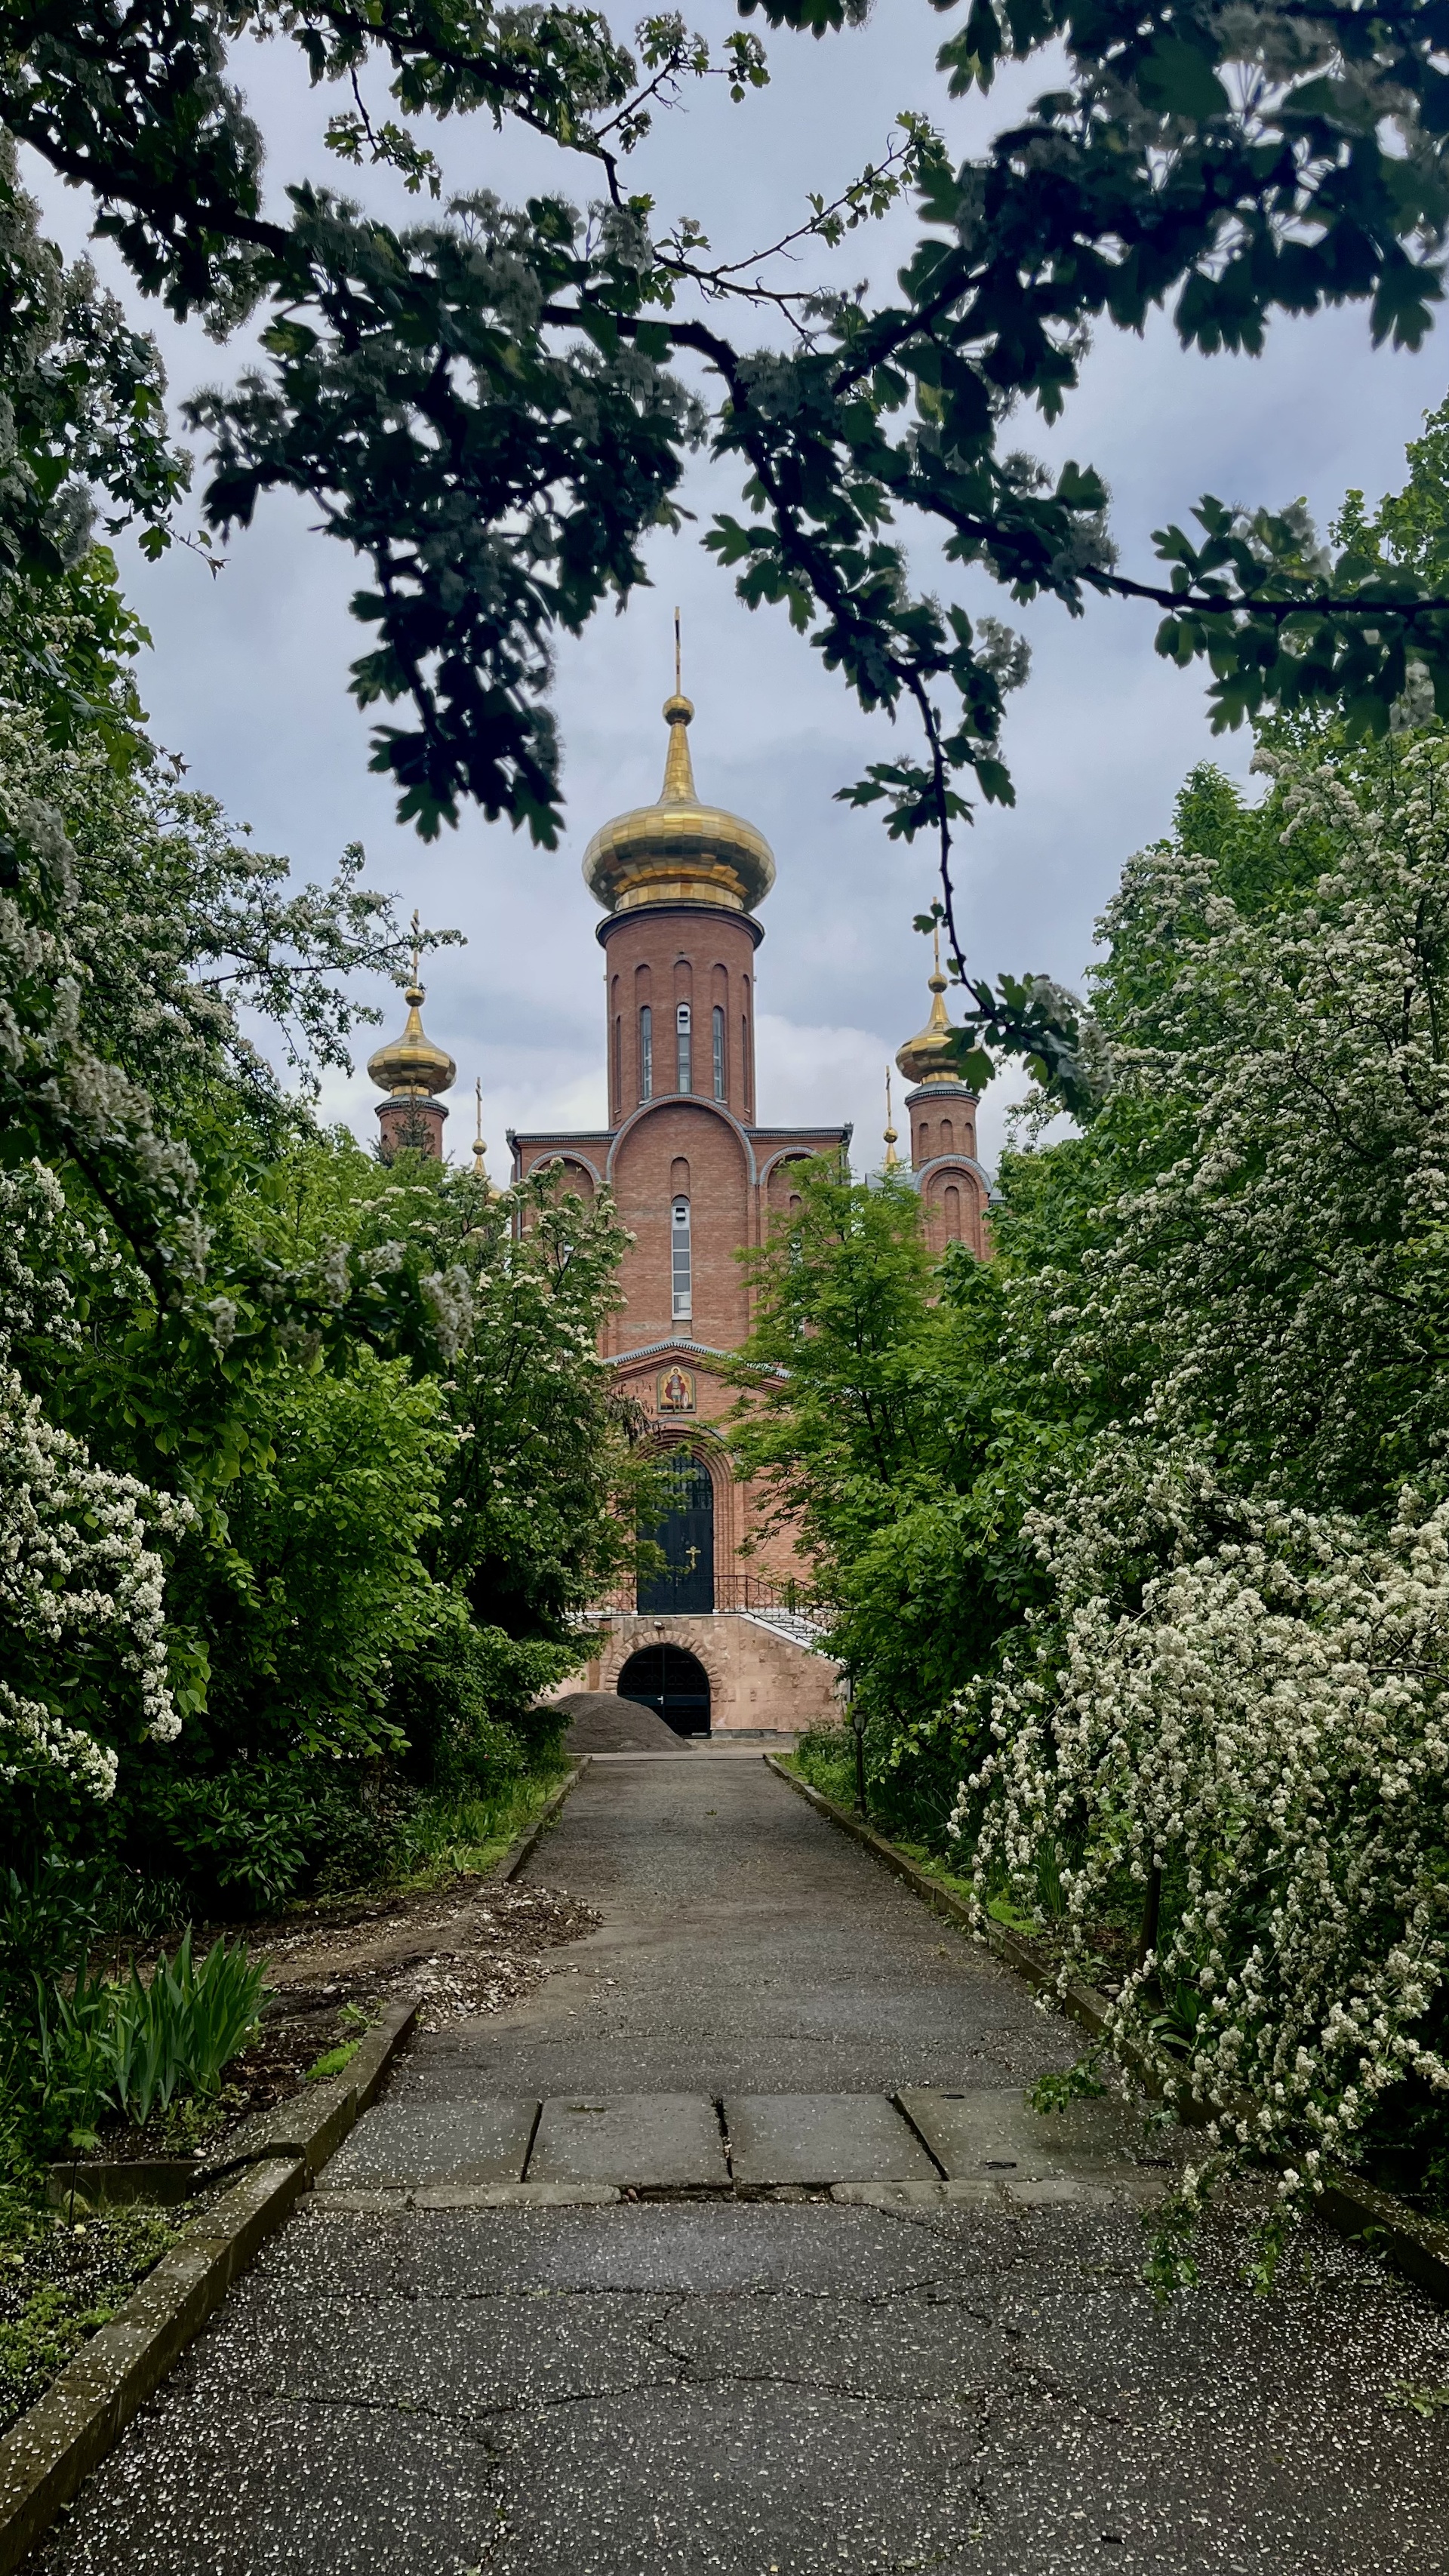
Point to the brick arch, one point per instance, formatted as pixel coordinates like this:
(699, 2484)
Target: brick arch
(779, 1181)
(694, 1102)
(969, 1180)
(707, 1446)
(575, 1172)
(691, 1635)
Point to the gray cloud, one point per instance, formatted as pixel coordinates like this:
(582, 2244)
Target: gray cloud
(248, 674)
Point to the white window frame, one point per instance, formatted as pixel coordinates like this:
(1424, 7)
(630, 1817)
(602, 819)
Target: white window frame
(682, 1041)
(646, 1053)
(718, 1029)
(681, 1263)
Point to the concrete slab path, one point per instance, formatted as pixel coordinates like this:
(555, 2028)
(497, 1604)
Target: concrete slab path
(969, 2377)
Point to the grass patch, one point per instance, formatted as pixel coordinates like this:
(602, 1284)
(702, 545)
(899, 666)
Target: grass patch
(465, 1836)
(825, 1758)
(334, 2062)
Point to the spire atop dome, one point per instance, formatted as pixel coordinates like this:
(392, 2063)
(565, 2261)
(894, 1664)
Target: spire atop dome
(679, 850)
(892, 1159)
(928, 1057)
(480, 1167)
(411, 1067)
(678, 787)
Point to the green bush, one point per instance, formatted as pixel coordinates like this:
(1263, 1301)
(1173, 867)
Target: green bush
(75, 2044)
(253, 1836)
(467, 1701)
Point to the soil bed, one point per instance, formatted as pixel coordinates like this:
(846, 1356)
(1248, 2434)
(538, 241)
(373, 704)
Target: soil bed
(465, 1949)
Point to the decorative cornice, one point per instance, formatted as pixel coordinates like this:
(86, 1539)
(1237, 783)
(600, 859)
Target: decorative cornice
(604, 930)
(696, 1350)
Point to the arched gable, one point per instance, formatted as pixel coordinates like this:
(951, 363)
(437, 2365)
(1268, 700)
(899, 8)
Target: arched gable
(692, 1101)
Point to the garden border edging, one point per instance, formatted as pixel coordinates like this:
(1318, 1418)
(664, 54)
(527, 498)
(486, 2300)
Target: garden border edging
(1415, 2246)
(59, 2440)
(517, 1853)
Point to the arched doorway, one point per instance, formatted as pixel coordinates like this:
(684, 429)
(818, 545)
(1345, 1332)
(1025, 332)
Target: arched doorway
(671, 1682)
(686, 1536)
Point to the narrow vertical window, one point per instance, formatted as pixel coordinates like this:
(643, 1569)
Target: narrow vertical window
(681, 1025)
(719, 1060)
(680, 1267)
(618, 1066)
(646, 1053)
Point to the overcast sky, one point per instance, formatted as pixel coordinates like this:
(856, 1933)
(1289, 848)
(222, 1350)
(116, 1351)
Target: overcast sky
(247, 679)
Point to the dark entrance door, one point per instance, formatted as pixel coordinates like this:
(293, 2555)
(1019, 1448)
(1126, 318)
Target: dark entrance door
(686, 1535)
(674, 1684)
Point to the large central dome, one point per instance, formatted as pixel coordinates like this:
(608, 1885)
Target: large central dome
(679, 851)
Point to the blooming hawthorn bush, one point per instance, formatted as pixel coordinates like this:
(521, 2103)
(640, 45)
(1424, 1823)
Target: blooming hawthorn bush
(1266, 1726)
(1234, 1694)
(82, 1623)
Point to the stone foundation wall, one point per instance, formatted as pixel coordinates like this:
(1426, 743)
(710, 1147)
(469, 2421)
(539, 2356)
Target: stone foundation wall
(756, 1678)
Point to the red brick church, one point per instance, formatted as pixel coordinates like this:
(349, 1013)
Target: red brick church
(696, 1176)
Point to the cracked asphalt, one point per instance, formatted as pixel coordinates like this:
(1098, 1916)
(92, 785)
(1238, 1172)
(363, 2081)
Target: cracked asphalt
(778, 2387)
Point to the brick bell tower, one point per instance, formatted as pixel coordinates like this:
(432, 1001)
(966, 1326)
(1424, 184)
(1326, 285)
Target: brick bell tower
(952, 1183)
(696, 1179)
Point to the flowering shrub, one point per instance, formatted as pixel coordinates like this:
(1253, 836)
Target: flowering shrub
(1160, 1497)
(1266, 1729)
(80, 1590)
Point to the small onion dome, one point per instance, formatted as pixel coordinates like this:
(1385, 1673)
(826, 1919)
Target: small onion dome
(412, 1067)
(678, 851)
(928, 1057)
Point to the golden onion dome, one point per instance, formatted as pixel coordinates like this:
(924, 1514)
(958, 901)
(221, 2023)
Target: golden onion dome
(411, 1067)
(678, 851)
(929, 1057)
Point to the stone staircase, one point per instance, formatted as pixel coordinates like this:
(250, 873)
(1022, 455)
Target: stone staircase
(802, 1627)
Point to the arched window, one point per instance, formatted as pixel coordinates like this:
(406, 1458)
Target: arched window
(953, 1216)
(719, 1052)
(618, 1063)
(646, 1053)
(948, 1137)
(681, 1278)
(681, 1032)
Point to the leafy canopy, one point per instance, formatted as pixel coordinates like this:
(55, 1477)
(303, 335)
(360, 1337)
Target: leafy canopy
(482, 406)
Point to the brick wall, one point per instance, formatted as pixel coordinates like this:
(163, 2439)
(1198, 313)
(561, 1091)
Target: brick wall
(757, 1680)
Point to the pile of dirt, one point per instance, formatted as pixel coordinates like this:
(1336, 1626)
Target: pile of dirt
(601, 1722)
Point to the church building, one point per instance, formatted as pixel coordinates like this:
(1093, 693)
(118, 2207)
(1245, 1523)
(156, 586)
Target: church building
(721, 1639)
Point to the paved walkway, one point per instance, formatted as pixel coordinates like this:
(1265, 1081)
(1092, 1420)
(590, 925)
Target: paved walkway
(967, 2378)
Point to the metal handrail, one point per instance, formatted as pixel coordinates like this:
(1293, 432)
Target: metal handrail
(731, 1592)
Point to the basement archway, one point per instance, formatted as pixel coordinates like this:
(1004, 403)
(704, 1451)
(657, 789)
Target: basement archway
(673, 1683)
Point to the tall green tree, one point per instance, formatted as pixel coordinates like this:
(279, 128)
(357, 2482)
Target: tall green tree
(484, 406)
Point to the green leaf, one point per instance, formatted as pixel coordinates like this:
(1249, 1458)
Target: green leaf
(1180, 79)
